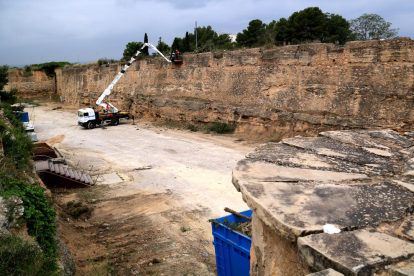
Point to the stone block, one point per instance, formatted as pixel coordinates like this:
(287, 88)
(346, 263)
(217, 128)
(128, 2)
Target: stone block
(326, 272)
(360, 252)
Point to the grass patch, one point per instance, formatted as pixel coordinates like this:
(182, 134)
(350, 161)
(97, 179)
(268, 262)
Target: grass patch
(31, 101)
(92, 193)
(183, 229)
(193, 128)
(55, 98)
(222, 128)
(277, 136)
(171, 124)
(77, 209)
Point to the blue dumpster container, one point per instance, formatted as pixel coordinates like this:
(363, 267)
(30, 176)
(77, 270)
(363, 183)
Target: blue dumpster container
(232, 248)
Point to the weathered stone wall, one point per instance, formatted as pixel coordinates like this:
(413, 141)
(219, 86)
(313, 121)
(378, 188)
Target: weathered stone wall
(365, 84)
(34, 85)
(272, 254)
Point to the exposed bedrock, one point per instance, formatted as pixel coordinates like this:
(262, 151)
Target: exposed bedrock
(363, 85)
(359, 181)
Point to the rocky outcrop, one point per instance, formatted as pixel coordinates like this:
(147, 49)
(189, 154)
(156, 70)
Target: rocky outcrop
(361, 182)
(363, 85)
(32, 84)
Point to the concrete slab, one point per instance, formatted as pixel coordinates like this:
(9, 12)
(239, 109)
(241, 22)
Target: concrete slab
(331, 148)
(360, 252)
(390, 136)
(285, 155)
(406, 230)
(326, 272)
(108, 179)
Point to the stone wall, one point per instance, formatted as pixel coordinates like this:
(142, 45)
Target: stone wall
(364, 84)
(34, 84)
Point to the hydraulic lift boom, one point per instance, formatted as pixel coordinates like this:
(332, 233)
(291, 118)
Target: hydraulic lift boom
(108, 106)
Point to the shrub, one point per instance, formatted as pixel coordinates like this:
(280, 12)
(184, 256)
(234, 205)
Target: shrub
(9, 97)
(55, 98)
(17, 146)
(50, 67)
(193, 128)
(222, 128)
(77, 209)
(20, 257)
(39, 216)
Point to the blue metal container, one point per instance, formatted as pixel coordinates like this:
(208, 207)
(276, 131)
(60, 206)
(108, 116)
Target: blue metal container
(232, 248)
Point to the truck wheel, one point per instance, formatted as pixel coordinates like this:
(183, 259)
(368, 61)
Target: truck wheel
(91, 125)
(114, 121)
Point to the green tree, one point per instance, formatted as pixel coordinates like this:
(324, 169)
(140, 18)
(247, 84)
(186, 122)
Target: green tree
(132, 48)
(6, 97)
(253, 35)
(145, 50)
(307, 25)
(369, 26)
(205, 34)
(186, 43)
(269, 35)
(337, 29)
(222, 41)
(282, 31)
(163, 47)
(4, 74)
(312, 24)
(177, 44)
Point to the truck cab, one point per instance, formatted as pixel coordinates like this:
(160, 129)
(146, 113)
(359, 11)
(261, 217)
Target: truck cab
(87, 118)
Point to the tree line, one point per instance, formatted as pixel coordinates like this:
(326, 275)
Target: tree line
(304, 26)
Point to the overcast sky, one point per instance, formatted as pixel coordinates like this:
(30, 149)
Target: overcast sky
(61, 30)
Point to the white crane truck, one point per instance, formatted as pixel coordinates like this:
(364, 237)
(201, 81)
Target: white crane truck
(89, 118)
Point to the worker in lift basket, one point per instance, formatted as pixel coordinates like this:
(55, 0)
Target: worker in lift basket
(177, 53)
(106, 109)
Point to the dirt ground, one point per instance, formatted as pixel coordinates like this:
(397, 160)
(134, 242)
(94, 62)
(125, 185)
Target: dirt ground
(155, 221)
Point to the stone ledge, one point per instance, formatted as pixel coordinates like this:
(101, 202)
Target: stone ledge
(326, 272)
(360, 252)
(355, 180)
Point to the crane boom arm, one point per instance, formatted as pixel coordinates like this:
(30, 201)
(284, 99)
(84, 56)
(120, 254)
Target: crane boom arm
(108, 90)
